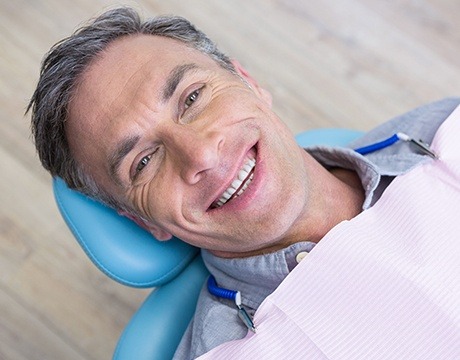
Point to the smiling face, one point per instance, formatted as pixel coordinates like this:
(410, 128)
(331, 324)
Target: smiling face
(176, 137)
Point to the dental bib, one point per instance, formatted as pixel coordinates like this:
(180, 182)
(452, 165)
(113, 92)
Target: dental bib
(384, 285)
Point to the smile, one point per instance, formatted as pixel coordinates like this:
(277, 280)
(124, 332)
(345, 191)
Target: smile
(239, 184)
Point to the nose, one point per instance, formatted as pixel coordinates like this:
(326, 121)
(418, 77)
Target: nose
(194, 152)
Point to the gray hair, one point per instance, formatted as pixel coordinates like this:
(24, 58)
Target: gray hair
(61, 69)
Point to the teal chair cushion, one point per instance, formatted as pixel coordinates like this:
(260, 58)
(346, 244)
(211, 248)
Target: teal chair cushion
(117, 246)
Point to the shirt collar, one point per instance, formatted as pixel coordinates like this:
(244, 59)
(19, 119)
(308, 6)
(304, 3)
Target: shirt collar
(245, 274)
(349, 159)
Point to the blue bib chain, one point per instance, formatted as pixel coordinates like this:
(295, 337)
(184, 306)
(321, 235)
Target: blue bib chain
(231, 295)
(422, 146)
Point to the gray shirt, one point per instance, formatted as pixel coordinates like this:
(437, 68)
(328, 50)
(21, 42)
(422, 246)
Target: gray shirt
(216, 320)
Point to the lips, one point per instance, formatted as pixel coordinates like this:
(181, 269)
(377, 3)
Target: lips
(239, 184)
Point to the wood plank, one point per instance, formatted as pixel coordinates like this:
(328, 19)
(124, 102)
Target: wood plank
(25, 335)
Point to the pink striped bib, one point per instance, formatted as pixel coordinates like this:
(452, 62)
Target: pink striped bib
(385, 285)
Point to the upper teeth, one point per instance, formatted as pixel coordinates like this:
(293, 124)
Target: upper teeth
(242, 181)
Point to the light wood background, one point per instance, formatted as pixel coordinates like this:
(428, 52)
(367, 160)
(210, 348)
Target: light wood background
(328, 63)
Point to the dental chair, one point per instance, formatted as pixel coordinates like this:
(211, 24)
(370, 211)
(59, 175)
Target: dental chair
(133, 257)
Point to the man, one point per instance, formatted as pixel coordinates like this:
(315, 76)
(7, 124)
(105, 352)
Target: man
(151, 119)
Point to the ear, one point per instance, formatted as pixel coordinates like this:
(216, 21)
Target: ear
(155, 230)
(261, 92)
(159, 233)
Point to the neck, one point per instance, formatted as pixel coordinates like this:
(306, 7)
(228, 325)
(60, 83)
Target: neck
(340, 197)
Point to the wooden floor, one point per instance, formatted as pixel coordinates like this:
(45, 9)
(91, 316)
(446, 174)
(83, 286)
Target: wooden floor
(328, 63)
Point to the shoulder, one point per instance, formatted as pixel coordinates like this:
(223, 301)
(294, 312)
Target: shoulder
(215, 321)
(419, 123)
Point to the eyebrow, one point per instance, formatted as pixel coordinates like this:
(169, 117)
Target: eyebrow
(115, 160)
(174, 79)
(127, 145)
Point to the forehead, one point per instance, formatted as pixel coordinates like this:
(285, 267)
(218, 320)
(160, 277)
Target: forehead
(131, 61)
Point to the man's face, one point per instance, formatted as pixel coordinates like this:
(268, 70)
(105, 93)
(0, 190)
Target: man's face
(176, 137)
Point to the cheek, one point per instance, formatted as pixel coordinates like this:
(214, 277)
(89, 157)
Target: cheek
(160, 200)
(283, 133)
(236, 101)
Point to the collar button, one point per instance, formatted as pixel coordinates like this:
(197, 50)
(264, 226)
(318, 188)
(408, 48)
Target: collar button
(300, 256)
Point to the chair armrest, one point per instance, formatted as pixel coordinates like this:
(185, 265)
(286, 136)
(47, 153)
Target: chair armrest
(157, 327)
(329, 137)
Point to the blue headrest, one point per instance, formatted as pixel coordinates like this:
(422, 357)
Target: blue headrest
(120, 248)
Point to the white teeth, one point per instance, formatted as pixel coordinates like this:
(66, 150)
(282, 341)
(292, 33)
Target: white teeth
(226, 195)
(237, 183)
(242, 177)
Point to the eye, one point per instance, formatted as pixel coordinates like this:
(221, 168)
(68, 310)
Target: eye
(192, 98)
(151, 160)
(143, 163)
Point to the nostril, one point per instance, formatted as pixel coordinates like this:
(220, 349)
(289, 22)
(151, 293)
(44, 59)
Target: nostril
(197, 154)
(220, 145)
(192, 177)
(197, 163)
